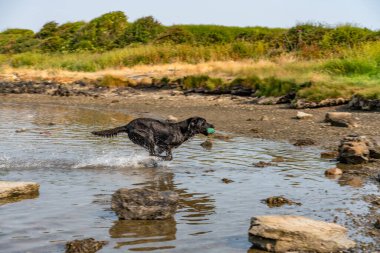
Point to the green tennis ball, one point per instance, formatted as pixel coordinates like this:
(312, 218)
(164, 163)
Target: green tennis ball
(210, 130)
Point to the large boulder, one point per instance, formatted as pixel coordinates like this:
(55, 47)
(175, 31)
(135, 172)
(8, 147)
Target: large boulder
(355, 149)
(340, 119)
(284, 233)
(144, 204)
(18, 189)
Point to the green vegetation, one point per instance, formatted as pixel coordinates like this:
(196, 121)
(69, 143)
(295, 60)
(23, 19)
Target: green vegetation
(113, 30)
(320, 61)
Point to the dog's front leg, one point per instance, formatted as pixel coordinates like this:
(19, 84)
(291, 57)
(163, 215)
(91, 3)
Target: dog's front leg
(168, 156)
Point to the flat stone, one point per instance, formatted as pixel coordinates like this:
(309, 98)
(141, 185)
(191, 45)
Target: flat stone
(16, 189)
(303, 115)
(284, 233)
(172, 119)
(340, 119)
(144, 204)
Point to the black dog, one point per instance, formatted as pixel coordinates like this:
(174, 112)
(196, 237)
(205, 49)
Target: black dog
(157, 136)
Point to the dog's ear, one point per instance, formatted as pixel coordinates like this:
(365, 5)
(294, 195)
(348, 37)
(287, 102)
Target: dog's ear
(192, 125)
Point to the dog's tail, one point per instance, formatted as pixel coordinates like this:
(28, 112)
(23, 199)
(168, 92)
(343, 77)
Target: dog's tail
(111, 132)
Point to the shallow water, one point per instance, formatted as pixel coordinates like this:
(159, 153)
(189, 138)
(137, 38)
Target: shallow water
(78, 173)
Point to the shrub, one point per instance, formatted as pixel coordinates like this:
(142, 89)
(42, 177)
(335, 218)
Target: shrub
(112, 81)
(202, 81)
(176, 35)
(276, 87)
(143, 30)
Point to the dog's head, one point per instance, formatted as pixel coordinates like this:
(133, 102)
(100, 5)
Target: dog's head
(198, 125)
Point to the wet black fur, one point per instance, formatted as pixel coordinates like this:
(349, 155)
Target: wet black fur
(160, 136)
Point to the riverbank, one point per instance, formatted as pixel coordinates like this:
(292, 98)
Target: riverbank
(236, 116)
(228, 113)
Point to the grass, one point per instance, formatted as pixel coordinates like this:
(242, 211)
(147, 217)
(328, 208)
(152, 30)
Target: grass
(354, 71)
(132, 56)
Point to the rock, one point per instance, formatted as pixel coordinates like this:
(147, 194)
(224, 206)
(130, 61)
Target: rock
(18, 189)
(377, 178)
(333, 172)
(262, 164)
(241, 91)
(287, 98)
(267, 100)
(278, 159)
(374, 151)
(304, 142)
(227, 181)
(62, 91)
(297, 233)
(278, 201)
(358, 102)
(172, 119)
(329, 155)
(264, 118)
(21, 130)
(207, 144)
(377, 223)
(373, 199)
(303, 115)
(88, 245)
(303, 104)
(355, 149)
(340, 119)
(144, 204)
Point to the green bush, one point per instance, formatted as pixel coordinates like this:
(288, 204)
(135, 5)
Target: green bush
(202, 81)
(176, 35)
(248, 82)
(276, 87)
(143, 30)
(112, 30)
(49, 29)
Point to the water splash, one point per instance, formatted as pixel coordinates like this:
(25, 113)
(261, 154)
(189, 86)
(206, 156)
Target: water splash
(112, 159)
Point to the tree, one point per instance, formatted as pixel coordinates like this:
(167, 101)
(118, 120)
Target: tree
(104, 31)
(48, 30)
(143, 30)
(175, 35)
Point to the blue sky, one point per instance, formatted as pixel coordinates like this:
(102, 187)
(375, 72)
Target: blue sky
(32, 14)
